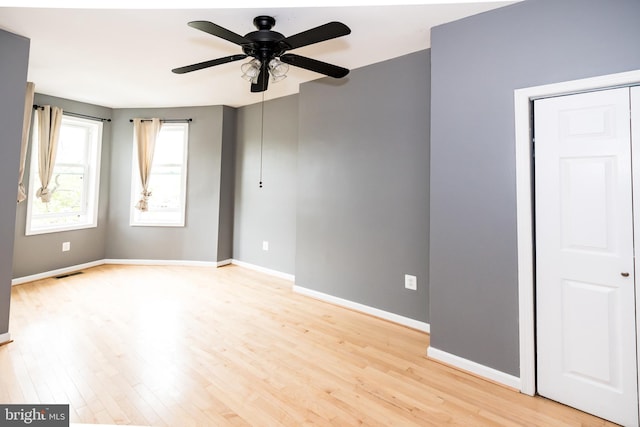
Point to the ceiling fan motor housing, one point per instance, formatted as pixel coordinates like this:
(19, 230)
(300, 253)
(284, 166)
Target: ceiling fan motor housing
(266, 43)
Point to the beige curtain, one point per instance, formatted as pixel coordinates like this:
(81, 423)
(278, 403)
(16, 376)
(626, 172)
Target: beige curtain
(49, 120)
(146, 132)
(26, 125)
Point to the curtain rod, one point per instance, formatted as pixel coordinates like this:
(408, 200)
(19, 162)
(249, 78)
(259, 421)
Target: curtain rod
(69, 113)
(167, 120)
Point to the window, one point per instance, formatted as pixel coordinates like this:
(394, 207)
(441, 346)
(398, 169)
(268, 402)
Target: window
(74, 182)
(168, 180)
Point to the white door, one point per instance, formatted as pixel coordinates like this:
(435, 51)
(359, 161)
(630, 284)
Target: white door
(585, 296)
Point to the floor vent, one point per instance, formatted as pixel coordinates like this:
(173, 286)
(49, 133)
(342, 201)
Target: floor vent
(62, 276)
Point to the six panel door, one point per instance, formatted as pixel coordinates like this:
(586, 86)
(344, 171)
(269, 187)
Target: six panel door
(585, 292)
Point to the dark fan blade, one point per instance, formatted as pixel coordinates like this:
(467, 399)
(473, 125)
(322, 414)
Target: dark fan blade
(206, 64)
(313, 65)
(315, 35)
(217, 30)
(263, 81)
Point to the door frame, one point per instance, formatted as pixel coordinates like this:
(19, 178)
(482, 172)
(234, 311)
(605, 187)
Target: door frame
(523, 102)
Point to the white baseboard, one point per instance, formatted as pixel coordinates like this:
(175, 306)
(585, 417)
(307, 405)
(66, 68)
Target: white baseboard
(5, 338)
(74, 268)
(474, 368)
(265, 270)
(54, 273)
(160, 262)
(66, 270)
(396, 318)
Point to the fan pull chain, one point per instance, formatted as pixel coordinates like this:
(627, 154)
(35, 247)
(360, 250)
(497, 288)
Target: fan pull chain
(261, 136)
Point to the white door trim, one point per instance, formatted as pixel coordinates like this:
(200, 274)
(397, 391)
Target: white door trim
(524, 213)
(635, 157)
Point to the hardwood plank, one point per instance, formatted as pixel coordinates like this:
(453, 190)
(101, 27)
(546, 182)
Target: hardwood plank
(200, 346)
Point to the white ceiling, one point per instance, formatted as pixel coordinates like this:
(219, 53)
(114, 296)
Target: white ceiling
(122, 58)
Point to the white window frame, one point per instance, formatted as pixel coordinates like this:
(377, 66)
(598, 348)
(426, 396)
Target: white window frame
(90, 196)
(136, 218)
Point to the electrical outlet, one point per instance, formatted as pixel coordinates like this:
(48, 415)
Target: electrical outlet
(410, 282)
(265, 245)
(66, 246)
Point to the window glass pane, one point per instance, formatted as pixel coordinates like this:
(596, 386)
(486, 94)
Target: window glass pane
(166, 187)
(67, 184)
(67, 180)
(72, 145)
(169, 146)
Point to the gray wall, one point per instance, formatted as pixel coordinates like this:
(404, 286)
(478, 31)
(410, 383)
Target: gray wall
(267, 213)
(227, 184)
(43, 252)
(476, 65)
(363, 185)
(197, 241)
(13, 80)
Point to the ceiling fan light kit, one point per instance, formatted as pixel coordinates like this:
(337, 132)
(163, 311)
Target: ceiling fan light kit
(278, 70)
(251, 70)
(267, 48)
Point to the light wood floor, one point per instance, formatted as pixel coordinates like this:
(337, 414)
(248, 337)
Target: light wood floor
(198, 346)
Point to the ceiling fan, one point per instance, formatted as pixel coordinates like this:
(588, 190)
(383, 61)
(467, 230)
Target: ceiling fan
(267, 48)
